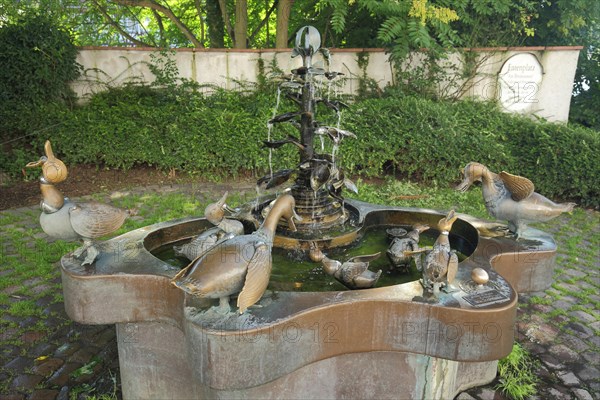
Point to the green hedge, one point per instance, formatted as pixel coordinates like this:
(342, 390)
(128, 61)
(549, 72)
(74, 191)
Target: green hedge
(218, 135)
(415, 138)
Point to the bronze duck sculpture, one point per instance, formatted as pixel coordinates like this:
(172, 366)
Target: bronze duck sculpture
(353, 273)
(511, 197)
(224, 229)
(408, 242)
(63, 219)
(441, 262)
(239, 265)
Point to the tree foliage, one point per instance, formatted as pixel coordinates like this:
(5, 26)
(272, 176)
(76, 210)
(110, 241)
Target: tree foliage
(568, 23)
(398, 25)
(406, 25)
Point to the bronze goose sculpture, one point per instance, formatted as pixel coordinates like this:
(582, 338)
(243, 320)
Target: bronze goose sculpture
(441, 262)
(511, 197)
(409, 242)
(224, 229)
(63, 219)
(239, 265)
(354, 273)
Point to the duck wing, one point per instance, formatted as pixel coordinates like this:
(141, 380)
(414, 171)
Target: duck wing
(93, 220)
(218, 272)
(367, 258)
(257, 277)
(519, 186)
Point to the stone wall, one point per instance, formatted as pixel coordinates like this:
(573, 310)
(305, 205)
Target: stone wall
(545, 91)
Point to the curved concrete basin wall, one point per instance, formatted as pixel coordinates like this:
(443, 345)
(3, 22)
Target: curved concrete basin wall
(384, 342)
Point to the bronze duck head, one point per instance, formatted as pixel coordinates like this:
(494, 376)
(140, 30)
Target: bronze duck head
(215, 212)
(53, 171)
(472, 172)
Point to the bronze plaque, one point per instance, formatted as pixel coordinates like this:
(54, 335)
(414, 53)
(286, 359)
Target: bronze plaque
(486, 298)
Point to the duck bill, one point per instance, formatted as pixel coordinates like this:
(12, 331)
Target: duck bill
(464, 185)
(35, 164)
(222, 200)
(421, 228)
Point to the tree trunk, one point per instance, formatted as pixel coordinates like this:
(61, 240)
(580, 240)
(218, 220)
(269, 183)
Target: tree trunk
(153, 5)
(241, 24)
(215, 24)
(284, 8)
(226, 20)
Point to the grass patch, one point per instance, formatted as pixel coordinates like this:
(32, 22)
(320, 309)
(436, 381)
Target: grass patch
(516, 372)
(540, 300)
(408, 194)
(24, 308)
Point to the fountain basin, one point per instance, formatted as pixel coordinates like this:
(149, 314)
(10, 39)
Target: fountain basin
(385, 342)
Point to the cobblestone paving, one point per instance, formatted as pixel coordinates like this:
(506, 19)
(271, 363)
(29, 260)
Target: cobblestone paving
(50, 357)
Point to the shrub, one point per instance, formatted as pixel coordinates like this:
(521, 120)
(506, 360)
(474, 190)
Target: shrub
(419, 138)
(218, 135)
(414, 138)
(38, 62)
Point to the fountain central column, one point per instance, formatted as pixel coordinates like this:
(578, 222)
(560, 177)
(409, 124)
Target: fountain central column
(318, 209)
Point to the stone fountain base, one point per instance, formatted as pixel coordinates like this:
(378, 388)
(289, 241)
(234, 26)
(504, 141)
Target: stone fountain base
(380, 374)
(393, 341)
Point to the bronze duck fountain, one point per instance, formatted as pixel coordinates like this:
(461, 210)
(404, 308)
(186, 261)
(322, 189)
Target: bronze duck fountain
(224, 229)
(511, 197)
(63, 219)
(239, 265)
(353, 273)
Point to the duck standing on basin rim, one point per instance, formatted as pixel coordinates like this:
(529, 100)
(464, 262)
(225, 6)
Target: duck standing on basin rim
(441, 262)
(511, 197)
(239, 265)
(63, 219)
(354, 273)
(224, 229)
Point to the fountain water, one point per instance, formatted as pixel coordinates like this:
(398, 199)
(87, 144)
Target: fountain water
(407, 338)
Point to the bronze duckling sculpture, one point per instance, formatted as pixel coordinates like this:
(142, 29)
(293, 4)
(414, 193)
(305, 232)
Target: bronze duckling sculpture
(239, 265)
(202, 243)
(511, 197)
(408, 242)
(224, 229)
(441, 262)
(353, 273)
(63, 219)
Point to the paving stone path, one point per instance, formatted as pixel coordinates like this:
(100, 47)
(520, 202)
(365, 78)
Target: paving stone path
(51, 357)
